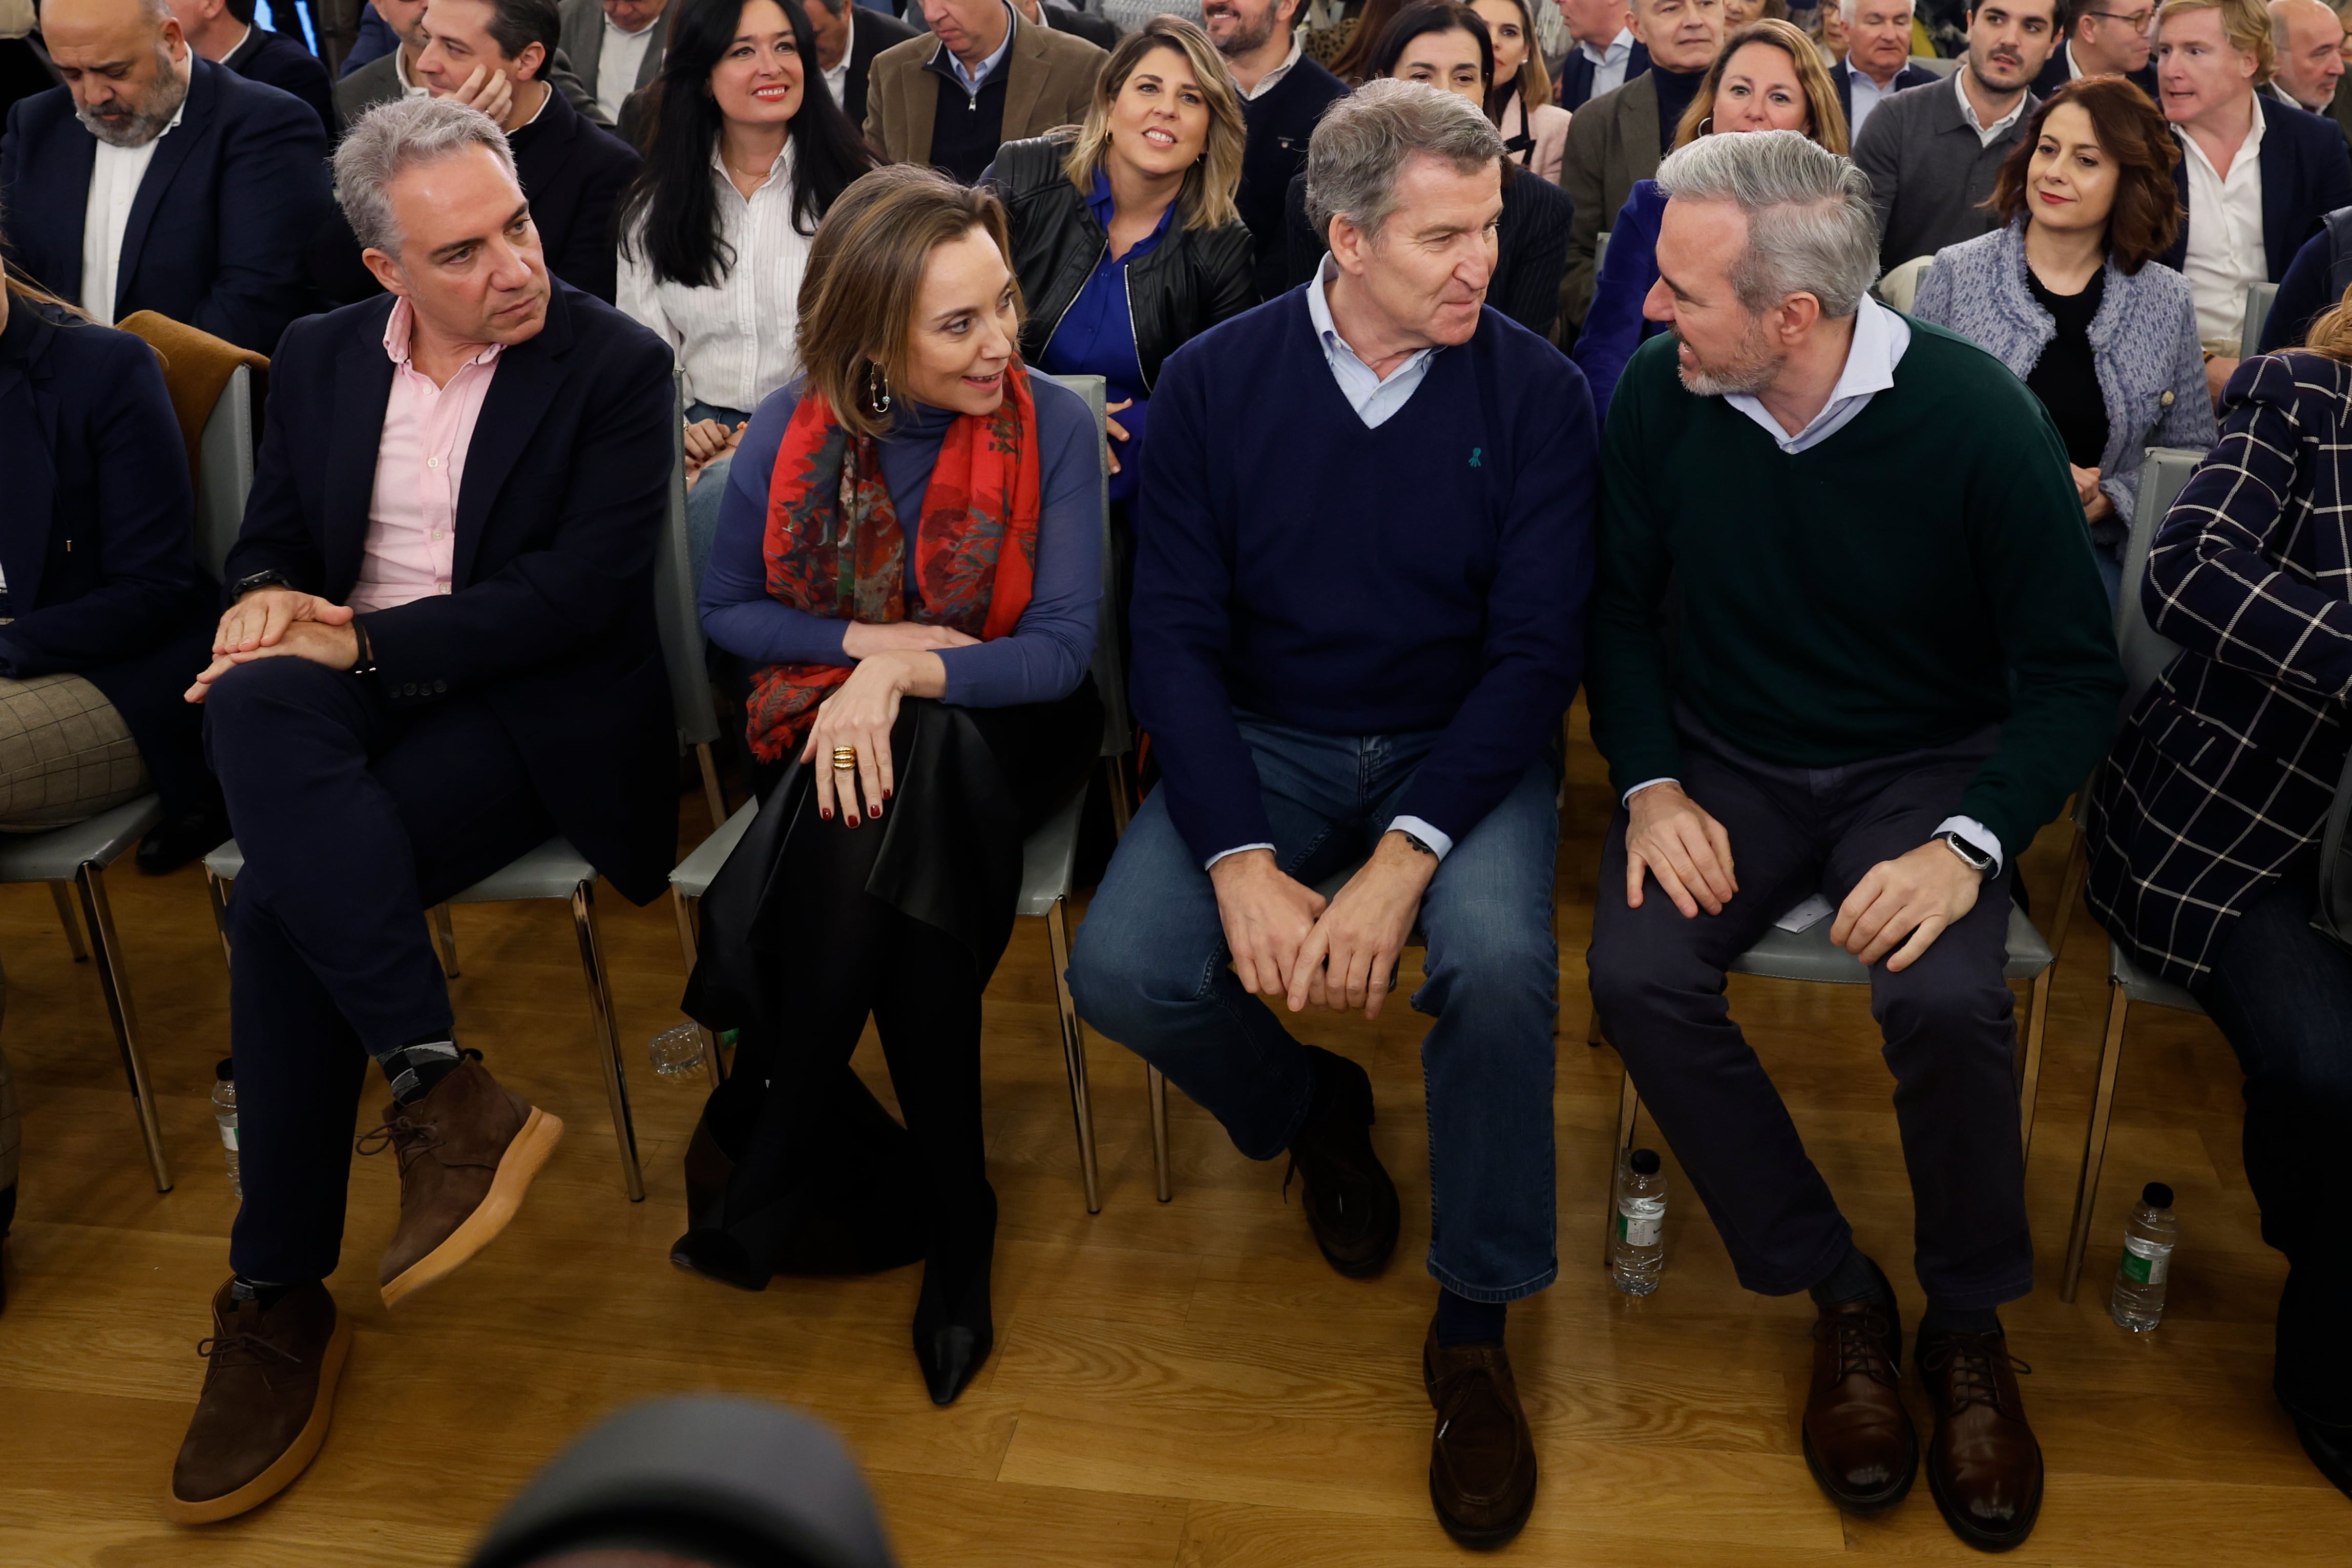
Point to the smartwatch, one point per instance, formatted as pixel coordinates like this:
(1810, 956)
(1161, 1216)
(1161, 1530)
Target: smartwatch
(245, 585)
(1975, 858)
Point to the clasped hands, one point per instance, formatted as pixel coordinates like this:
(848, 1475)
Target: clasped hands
(274, 622)
(895, 660)
(1910, 900)
(706, 442)
(1286, 941)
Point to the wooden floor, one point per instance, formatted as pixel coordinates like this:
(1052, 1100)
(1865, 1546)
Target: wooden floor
(1179, 1385)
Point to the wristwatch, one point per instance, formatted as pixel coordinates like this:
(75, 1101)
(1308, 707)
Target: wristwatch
(245, 585)
(364, 662)
(1415, 842)
(1975, 858)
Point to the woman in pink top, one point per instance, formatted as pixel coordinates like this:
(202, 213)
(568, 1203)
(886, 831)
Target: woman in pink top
(1535, 128)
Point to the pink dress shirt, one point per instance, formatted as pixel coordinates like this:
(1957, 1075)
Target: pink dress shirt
(413, 515)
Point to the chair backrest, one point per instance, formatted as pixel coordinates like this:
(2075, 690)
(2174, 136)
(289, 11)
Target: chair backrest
(674, 611)
(2145, 651)
(1936, 64)
(1600, 249)
(1109, 667)
(2260, 298)
(1900, 286)
(225, 470)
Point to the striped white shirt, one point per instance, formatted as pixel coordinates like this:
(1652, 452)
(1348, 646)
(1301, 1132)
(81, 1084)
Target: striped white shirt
(733, 341)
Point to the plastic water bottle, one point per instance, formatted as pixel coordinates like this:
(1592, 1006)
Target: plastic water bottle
(2146, 1261)
(225, 1113)
(1637, 1249)
(676, 1052)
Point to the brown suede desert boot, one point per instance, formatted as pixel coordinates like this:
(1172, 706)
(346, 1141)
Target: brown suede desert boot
(1858, 1439)
(467, 1152)
(1983, 1463)
(1482, 1463)
(268, 1395)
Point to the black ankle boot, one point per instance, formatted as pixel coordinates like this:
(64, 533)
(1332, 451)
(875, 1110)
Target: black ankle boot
(954, 1331)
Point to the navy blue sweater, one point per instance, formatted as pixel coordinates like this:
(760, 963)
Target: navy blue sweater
(1428, 575)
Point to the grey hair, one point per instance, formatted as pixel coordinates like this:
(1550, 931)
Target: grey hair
(1362, 142)
(397, 136)
(1810, 226)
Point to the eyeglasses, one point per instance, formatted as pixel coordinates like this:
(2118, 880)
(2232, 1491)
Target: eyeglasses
(2137, 21)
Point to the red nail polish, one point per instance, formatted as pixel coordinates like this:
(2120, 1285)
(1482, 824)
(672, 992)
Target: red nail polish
(826, 815)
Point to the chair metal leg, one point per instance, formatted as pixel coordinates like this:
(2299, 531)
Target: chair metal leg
(219, 891)
(1629, 1110)
(1593, 1028)
(712, 795)
(1156, 1083)
(2029, 1078)
(683, 907)
(445, 940)
(2070, 888)
(2094, 1143)
(1074, 1051)
(107, 947)
(66, 918)
(600, 1004)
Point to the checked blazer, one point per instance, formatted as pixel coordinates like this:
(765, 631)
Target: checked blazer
(2222, 776)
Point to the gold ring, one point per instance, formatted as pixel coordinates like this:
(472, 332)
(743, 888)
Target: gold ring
(844, 757)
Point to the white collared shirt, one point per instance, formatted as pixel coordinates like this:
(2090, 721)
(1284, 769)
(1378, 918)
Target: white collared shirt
(974, 80)
(836, 80)
(1987, 134)
(618, 59)
(2226, 252)
(1867, 95)
(400, 72)
(1880, 339)
(114, 178)
(1273, 79)
(1609, 63)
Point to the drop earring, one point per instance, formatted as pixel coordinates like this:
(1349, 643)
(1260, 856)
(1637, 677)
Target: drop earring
(878, 389)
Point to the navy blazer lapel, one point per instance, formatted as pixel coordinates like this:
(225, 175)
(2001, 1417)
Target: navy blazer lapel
(2282, 194)
(362, 391)
(31, 470)
(71, 156)
(195, 121)
(529, 376)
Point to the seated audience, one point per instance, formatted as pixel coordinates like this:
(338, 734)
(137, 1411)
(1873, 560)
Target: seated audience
(986, 76)
(238, 172)
(392, 74)
(1283, 95)
(1882, 716)
(377, 37)
(2315, 283)
(848, 37)
(1345, 48)
(911, 555)
(492, 55)
(2100, 38)
(1351, 653)
(24, 66)
(615, 46)
(1605, 55)
(1447, 46)
(2205, 857)
(1768, 77)
(1933, 152)
(1614, 141)
(748, 152)
(2070, 297)
(1878, 62)
(1099, 31)
(1125, 238)
(2255, 178)
(2307, 45)
(224, 31)
(1535, 130)
(1828, 31)
(419, 678)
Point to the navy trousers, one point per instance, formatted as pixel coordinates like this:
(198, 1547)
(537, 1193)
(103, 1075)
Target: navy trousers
(355, 817)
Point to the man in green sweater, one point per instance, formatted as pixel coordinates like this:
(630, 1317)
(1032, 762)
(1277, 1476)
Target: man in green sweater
(1881, 674)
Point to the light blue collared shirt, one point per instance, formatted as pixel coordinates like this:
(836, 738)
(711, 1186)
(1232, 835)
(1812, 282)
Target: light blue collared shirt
(973, 80)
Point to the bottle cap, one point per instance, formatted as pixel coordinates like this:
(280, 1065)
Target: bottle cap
(2156, 1195)
(1644, 1162)
(227, 1070)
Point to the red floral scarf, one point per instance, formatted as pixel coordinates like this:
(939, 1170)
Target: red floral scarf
(834, 547)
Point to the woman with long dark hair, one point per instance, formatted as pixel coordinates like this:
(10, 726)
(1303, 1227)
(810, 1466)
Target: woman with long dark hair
(749, 151)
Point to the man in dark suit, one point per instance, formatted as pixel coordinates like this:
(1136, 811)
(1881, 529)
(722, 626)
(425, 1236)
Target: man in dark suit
(849, 37)
(439, 650)
(1099, 31)
(1284, 95)
(394, 72)
(224, 31)
(204, 185)
(2103, 37)
(631, 34)
(1604, 55)
(1878, 49)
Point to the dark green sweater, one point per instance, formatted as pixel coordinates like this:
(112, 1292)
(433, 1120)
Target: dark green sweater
(1865, 597)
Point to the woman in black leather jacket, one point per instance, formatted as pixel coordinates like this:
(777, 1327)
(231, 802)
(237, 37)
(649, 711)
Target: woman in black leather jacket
(1125, 235)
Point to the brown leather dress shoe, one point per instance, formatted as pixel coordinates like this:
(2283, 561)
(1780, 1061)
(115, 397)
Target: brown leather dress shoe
(1858, 1438)
(268, 1395)
(1350, 1203)
(1983, 1464)
(1482, 1463)
(467, 1152)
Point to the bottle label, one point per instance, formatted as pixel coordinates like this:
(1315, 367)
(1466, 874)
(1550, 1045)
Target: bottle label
(2146, 1262)
(228, 1136)
(1639, 1230)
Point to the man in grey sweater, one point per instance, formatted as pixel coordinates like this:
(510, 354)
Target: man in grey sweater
(1931, 151)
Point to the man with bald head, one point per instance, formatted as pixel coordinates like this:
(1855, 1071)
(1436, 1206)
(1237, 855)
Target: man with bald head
(438, 653)
(2309, 42)
(157, 180)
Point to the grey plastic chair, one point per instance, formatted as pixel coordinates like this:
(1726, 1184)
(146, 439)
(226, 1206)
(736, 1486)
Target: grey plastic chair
(2260, 298)
(1047, 862)
(557, 872)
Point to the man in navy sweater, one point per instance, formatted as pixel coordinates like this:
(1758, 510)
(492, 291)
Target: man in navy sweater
(1363, 553)
(1283, 95)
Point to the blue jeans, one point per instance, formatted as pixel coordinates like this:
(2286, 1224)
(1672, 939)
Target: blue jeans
(1150, 971)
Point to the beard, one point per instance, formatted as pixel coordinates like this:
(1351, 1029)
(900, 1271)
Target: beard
(1245, 40)
(137, 126)
(1752, 368)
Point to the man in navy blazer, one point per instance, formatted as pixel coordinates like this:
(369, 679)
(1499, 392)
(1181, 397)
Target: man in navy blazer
(224, 31)
(1604, 55)
(439, 651)
(1878, 44)
(211, 230)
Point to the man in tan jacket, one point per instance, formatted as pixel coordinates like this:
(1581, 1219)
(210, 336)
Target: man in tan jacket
(987, 76)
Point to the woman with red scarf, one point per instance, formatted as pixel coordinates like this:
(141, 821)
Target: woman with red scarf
(908, 558)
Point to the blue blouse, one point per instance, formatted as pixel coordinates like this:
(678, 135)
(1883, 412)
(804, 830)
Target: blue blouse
(1047, 654)
(1615, 326)
(1095, 337)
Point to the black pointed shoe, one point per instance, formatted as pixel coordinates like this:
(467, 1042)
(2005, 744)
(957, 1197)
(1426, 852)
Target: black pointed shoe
(953, 1330)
